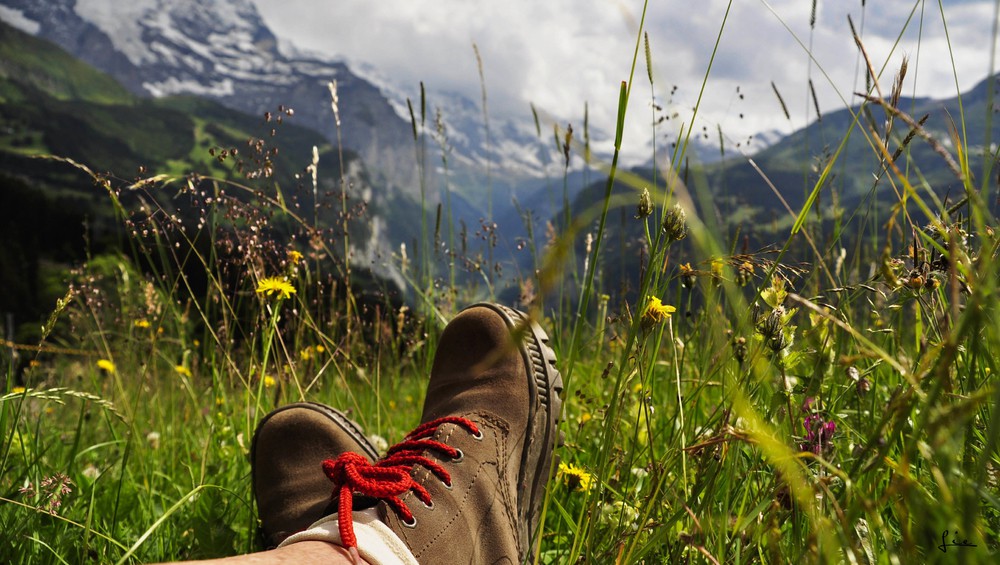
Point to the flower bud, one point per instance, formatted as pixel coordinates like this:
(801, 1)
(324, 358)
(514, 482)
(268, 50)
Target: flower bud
(674, 225)
(645, 207)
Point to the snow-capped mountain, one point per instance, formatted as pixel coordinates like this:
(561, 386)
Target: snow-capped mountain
(223, 50)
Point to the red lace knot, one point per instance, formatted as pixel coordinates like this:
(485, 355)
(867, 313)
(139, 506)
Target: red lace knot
(391, 476)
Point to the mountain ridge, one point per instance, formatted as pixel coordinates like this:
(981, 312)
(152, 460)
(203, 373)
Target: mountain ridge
(52, 104)
(737, 194)
(166, 47)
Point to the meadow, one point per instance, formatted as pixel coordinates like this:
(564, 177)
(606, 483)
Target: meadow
(734, 406)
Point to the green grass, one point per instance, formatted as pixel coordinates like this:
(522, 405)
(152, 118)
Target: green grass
(837, 410)
(53, 71)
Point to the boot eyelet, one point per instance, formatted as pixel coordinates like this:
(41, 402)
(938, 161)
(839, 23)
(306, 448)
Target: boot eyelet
(478, 436)
(411, 523)
(428, 505)
(459, 455)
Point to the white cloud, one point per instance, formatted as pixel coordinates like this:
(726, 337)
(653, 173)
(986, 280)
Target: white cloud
(560, 54)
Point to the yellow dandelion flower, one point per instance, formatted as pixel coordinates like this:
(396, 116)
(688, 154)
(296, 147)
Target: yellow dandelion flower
(657, 312)
(106, 366)
(717, 266)
(306, 354)
(142, 324)
(182, 370)
(577, 478)
(294, 257)
(275, 285)
(17, 390)
(320, 349)
(196, 343)
(269, 381)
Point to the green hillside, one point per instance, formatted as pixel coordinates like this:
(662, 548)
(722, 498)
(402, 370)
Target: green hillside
(45, 67)
(855, 199)
(52, 104)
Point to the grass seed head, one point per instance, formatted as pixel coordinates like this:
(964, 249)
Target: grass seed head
(675, 224)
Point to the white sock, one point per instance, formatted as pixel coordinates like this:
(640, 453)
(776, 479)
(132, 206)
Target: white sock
(377, 544)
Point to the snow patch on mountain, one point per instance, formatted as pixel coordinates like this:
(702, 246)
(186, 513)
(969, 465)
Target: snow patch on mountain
(226, 35)
(17, 19)
(109, 17)
(763, 140)
(174, 85)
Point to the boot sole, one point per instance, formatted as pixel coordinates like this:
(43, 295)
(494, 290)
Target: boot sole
(546, 386)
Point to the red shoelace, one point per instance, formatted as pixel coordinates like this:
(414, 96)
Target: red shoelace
(390, 477)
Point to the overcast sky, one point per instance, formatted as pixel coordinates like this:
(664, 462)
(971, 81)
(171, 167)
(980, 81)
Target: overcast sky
(559, 54)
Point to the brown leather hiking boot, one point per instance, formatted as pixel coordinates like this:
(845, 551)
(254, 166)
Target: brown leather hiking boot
(286, 459)
(466, 486)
